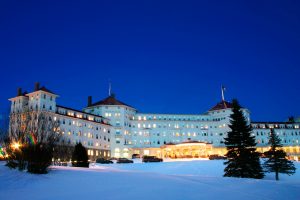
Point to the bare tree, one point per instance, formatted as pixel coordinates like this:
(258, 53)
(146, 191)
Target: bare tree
(33, 137)
(4, 122)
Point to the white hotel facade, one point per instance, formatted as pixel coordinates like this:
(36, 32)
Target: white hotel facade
(111, 128)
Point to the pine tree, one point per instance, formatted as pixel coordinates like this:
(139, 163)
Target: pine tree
(276, 158)
(80, 156)
(242, 158)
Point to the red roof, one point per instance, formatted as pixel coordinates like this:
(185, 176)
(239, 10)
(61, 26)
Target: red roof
(221, 105)
(46, 90)
(111, 100)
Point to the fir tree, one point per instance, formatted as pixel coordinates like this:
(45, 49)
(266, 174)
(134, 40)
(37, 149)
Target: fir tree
(242, 158)
(276, 158)
(80, 156)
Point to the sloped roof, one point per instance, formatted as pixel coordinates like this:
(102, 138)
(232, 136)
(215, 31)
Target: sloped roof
(45, 90)
(110, 100)
(221, 105)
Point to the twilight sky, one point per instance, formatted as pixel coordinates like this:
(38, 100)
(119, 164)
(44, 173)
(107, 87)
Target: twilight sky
(161, 56)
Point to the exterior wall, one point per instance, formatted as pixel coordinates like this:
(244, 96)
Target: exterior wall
(155, 130)
(289, 133)
(18, 104)
(40, 100)
(79, 127)
(94, 132)
(119, 117)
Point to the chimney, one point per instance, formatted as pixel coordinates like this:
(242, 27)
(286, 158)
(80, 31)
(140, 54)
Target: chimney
(19, 92)
(36, 86)
(89, 100)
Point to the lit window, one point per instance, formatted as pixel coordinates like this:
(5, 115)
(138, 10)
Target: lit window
(146, 152)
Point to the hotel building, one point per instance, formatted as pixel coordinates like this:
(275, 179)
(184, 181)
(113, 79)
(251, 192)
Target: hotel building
(111, 128)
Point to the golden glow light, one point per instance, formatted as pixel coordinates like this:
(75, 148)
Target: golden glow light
(16, 145)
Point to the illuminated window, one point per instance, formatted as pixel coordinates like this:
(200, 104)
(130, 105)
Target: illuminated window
(146, 152)
(70, 113)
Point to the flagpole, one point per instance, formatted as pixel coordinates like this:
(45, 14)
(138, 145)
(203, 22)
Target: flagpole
(109, 89)
(222, 89)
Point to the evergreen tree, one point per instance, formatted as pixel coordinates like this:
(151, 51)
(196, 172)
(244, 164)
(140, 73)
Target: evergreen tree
(276, 158)
(80, 156)
(242, 158)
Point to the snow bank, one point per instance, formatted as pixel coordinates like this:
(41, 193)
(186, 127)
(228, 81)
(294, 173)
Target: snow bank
(157, 181)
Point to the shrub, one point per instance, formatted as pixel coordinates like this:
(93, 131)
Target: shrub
(80, 157)
(39, 158)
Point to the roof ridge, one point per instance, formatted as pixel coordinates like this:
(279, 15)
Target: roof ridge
(110, 100)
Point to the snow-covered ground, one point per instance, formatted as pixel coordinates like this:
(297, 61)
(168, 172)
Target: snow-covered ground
(185, 180)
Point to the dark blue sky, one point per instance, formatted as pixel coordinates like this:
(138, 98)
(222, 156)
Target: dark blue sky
(161, 56)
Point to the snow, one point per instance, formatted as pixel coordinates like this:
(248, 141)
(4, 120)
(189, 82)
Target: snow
(184, 180)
